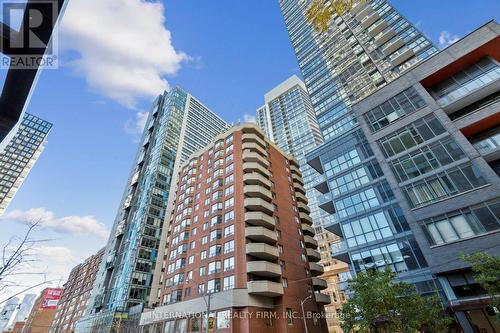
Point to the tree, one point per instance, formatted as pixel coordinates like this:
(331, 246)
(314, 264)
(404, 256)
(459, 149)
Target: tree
(487, 269)
(381, 304)
(320, 12)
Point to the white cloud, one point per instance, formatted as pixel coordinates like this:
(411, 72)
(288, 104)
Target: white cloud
(446, 39)
(57, 254)
(124, 49)
(137, 125)
(249, 118)
(74, 225)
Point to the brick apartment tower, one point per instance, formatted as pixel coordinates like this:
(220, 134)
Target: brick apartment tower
(43, 311)
(76, 294)
(241, 240)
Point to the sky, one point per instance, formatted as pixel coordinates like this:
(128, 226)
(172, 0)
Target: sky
(115, 57)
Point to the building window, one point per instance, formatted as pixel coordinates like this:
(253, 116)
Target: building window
(289, 316)
(357, 203)
(229, 264)
(285, 282)
(214, 267)
(202, 270)
(213, 286)
(229, 216)
(229, 230)
(229, 246)
(395, 108)
(214, 250)
(229, 203)
(229, 282)
(445, 184)
(223, 319)
(411, 136)
(466, 223)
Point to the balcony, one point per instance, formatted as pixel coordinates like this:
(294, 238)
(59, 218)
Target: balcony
(310, 242)
(263, 268)
(322, 299)
(316, 269)
(265, 288)
(364, 12)
(253, 138)
(256, 179)
(313, 255)
(256, 167)
(359, 6)
(319, 284)
(257, 204)
(384, 36)
(303, 207)
(377, 28)
(293, 161)
(300, 197)
(295, 170)
(369, 20)
(305, 218)
(299, 188)
(308, 230)
(260, 219)
(262, 251)
(394, 46)
(298, 179)
(256, 191)
(401, 56)
(339, 251)
(261, 234)
(251, 156)
(254, 147)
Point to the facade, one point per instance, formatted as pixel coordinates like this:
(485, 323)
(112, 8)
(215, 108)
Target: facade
(43, 311)
(20, 154)
(434, 135)
(24, 309)
(76, 294)
(177, 126)
(288, 119)
(16, 328)
(8, 312)
(241, 240)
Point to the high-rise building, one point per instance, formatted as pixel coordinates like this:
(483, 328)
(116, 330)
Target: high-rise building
(43, 311)
(24, 308)
(76, 293)
(240, 238)
(177, 126)
(288, 119)
(8, 312)
(434, 134)
(20, 154)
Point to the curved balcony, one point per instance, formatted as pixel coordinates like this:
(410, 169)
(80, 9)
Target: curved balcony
(293, 161)
(251, 137)
(265, 288)
(256, 179)
(319, 284)
(256, 191)
(298, 179)
(310, 242)
(308, 230)
(305, 218)
(303, 207)
(251, 156)
(260, 219)
(262, 251)
(263, 268)
(322, 299)
(294, 169)
(256, 167)
(299, 188)
(254, 147)
(301, 197)
(316, 269)
(257, 204)
(261, 234)
(313, 255)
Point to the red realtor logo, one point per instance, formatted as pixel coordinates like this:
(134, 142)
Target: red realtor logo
(50, 298)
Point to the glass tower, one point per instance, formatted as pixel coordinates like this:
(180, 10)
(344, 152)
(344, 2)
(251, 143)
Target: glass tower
(177, 126)
(363, 50)
(20, 155)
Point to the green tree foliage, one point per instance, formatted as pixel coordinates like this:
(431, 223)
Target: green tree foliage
(382, 304)
(320, 12)
(487, 273)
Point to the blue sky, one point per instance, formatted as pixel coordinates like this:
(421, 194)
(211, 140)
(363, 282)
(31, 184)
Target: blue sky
(227, 53)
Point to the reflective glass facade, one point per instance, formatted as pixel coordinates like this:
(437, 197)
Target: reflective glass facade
(20, 154)
(177, 126)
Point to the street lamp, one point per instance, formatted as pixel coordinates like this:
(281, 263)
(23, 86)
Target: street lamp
(303, 314)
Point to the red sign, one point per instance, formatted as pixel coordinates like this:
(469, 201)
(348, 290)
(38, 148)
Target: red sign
(50, 297)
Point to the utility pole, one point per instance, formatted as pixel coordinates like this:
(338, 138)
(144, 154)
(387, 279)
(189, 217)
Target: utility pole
(303, 314)
(207, 321)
